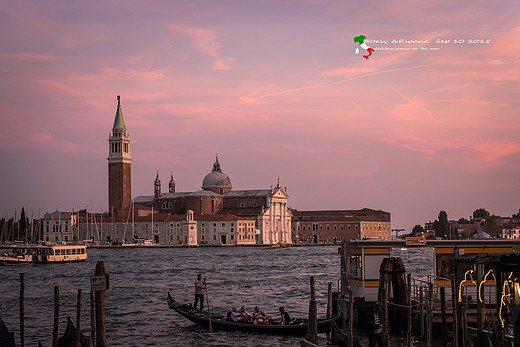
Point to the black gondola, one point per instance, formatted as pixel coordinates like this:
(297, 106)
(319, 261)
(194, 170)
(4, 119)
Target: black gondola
(6, 337)
(299, 327)
(68, 339)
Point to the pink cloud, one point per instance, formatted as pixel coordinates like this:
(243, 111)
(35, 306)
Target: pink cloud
(26, 56)
(206, 42)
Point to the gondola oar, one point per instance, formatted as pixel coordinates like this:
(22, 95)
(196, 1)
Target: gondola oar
(207, 304)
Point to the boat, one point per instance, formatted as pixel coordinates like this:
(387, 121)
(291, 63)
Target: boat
(68, 339)
(278, 246)
(298, 327)
(6, 337)
(45, 254)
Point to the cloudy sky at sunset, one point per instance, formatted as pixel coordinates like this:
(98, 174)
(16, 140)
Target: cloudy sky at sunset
(277, 90)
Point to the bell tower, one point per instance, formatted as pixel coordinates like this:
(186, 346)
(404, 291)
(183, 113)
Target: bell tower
(119, 165)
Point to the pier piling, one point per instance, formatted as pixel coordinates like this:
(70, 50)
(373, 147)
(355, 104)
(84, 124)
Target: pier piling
(101, 337)
(56, 316)
(430, 314)
(22, 318)
(409, 327)
(312, 332)
(92, 317)
(78, 320)
(443, 315)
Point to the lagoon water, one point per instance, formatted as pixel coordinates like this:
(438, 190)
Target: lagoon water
(137, 312)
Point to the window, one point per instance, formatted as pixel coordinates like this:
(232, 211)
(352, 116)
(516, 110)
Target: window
(214, 237)
(356, 228)
(214, 224)
(231, 237)
(166, 205)
(223, 224)
(335, 227)
(328, 227)
(341, 227)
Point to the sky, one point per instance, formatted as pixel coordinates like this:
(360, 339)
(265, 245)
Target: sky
(277, 90)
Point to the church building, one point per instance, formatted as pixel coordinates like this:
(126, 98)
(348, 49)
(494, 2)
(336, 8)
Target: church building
(214, 215)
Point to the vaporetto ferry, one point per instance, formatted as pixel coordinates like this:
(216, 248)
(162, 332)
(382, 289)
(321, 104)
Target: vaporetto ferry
(45, 254)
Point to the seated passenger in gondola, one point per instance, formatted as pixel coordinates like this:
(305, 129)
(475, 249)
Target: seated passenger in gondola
(286, 319)
(235, 315)
(259, 317)
(244, 316)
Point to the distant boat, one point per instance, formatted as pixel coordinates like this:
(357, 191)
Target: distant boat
(298, 327)
(44, 254)
(278, 246)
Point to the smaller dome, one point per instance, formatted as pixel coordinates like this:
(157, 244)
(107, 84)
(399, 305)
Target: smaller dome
(157, 180)
(216, 178)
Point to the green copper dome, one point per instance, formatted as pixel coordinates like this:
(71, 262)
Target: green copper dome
(119, 122)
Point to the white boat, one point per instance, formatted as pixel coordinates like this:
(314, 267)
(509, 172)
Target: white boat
(45, 254)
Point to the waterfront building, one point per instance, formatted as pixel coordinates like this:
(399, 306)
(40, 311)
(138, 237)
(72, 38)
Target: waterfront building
(60, 226)
(214, 215)
(330, 226)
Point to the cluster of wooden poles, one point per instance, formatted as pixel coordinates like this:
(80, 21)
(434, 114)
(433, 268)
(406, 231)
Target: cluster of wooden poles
(97, 313)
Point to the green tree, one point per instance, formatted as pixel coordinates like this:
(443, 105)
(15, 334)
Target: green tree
(463, 221)
(23, 224)
(490, 224)
(480, 213)
(441, 226)
(417, 230)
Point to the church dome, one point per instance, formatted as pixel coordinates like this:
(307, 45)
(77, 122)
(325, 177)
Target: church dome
(216, 179)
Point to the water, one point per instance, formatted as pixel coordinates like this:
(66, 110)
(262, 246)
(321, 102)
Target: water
(137, 313)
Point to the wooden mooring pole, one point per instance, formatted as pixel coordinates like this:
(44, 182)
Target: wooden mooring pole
(443, 316)
(430, 314)
(92, 317)
(101, 337)
(454, 297)
(22, 319)
(329, 303)
(56, 316)
(351, 318)
(421, 311)
(78, 319)
(409, 330)
(312, 331)
(386, 341)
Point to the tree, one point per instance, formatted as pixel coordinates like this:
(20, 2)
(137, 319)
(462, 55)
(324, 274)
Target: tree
(23, 223)
(463, 221)
(441, 225)
(516, 215)
(417, 230)
(480, 213)
(490, 224)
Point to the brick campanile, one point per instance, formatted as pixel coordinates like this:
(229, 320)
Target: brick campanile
(119, 165)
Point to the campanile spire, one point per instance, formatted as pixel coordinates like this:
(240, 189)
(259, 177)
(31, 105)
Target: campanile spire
(119, 164)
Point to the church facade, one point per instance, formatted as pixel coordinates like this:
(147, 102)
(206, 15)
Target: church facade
(214, 215)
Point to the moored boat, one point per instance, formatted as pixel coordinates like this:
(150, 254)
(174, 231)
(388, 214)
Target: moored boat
(298, 327)
(68, 339)
(278, 246)
(45, 254)
(6, 337)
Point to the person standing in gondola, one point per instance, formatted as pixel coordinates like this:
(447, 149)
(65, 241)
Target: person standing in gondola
(200, 285)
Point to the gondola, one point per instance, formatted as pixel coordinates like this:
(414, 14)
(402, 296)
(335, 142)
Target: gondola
(6, 337)
(299, 327)
(68, 339)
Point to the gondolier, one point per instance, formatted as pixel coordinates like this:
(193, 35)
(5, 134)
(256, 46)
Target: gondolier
(200, 285)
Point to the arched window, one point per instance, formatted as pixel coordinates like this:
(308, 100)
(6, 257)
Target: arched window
(166, 205)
